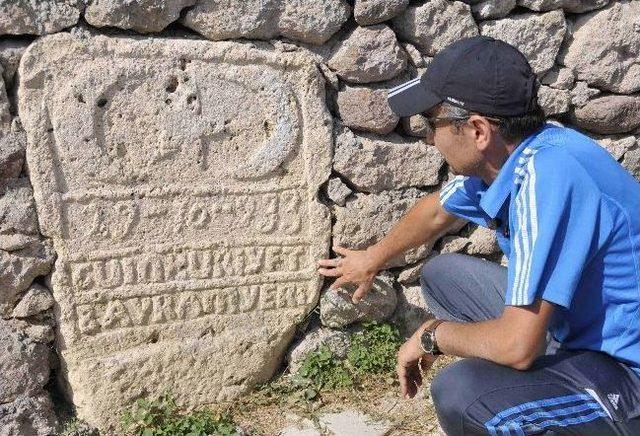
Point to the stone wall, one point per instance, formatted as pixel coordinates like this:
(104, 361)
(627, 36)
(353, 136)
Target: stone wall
(170, 171)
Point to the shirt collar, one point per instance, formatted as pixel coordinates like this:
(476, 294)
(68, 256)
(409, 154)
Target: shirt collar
(496, 194)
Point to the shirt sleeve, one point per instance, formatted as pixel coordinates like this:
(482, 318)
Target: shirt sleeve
(554, 222)
(460, 198)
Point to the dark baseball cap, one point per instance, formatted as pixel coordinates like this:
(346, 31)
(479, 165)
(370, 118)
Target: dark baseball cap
(480, 74)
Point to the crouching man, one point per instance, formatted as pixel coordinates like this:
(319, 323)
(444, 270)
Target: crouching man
(566, 215)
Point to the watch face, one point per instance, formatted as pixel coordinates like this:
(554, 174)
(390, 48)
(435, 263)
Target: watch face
(426, 341)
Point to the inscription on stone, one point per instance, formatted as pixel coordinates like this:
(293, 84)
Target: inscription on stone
(178, 180)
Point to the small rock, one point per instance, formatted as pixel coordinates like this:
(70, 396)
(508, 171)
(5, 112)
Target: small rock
(411, 274)
(573, 6)
(581, 94)
(375, 164)
(12, 151)
(483, 241)
(436, 24)
(559, 78)
(610, 114)
(415, 57)
(454, 244)
(336, 341)
(5, 109)
(15, 242)
(143, 16)
(618, 147)
(631, 162)
(411, 311)
(11, 51)
(610, 60)
(416, 125)
(554, 101)
(37, 299)
(367, 12)
(21, 17)
(313, 21)
(351, 422)
(337, 310)
(538, 36)
(337, 191)
(492, 9)
(366, 109)
(26, 415)
(18, 209)
(369, 54)
(40, 333)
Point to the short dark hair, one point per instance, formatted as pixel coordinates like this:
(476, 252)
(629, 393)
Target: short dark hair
(512, 129)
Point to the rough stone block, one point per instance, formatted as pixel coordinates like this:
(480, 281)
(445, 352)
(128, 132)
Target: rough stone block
(178, 180)
(143, 16)
(37, 17)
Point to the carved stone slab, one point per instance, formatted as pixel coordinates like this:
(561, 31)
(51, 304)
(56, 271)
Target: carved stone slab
(178, 180)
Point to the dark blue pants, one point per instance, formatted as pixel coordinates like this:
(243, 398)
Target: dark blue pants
(564, 392)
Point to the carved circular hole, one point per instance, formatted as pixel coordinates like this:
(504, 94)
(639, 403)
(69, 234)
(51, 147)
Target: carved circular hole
(102, 102)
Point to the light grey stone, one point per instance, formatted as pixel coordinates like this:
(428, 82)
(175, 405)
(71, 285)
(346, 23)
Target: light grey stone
(618, 147)
(37, 17)
(554, 101)
(415, 57)
(367, 12)
(35, 300)
(32, 416)
(631, 162)
(337, 191)
(352, 422)
(411, 274)
(11, 51)
(604, 48)
(19, 268)
(366, 109)
(17, 208)
(366, 219)
(310, 21)
(336, 341)
(380, 163)
(573, 6)
(435, 24)
(15, 241)
(538, 36)
(337, 310)
(143, 16)
(40, 333)
(369, 54)
(483, 241)
(610, 114)
(454, 244)
(582, 93)
(559, 78)
(492, 9)
(5, 111)
(416, 125)
(12, 149)
(411, 311)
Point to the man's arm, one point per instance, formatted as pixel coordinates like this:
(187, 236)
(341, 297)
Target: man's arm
(424, 222)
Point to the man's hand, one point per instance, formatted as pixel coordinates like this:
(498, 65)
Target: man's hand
(410, 359)
(355, 266)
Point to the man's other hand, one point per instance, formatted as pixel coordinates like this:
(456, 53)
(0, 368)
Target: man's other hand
(411, 358)
(354, 266)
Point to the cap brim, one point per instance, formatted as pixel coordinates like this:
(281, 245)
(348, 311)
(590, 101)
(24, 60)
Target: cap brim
(411, 98)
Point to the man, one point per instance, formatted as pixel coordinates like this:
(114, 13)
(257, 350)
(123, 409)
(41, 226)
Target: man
(566, 215)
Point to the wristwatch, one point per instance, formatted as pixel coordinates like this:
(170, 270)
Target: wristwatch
(428, 341)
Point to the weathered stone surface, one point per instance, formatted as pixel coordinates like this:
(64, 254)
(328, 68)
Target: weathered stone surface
(483, 241)
(582, 93)
(538, 36)
(17, 209)
(492, 9)
(37, 299)
(337, 191)
(554, 101)
(415, 57)
(454, 244)
(368, 218)
(610, 114)
(19, 17)
(369, 54)
(12, 148)
(416, 125)
(367, 12)
(5, 113)
(411, 311)
(337, 310)
(299, 426)
(435, 24)
(353, 422)
(574, 6)
(11, 51)
(376, 164)
(31, 416)
(141, 15)
(366, 109)
(631, 162)
(182, 201)
(618, 147)
(611, 60)
(336, 341)
(559, 78)
(311, 21)
(19, 268)
(24, 366)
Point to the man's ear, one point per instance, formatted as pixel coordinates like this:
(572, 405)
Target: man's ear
(482, 131)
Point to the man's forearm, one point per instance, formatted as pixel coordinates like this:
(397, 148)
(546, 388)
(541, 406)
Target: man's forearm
(424, 222)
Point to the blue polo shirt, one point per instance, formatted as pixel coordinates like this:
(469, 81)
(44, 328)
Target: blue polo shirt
(567, 216)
